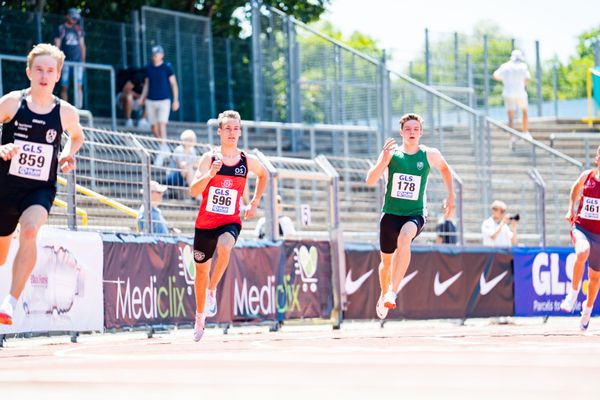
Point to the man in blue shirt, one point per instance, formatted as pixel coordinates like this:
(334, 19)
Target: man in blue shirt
(159, 224)
(69, 38)
(160, 86)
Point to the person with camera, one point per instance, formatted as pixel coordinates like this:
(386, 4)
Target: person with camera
(500, 229)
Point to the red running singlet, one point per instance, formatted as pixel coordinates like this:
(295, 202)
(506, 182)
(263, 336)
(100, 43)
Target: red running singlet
(588, 214)
(221, 197)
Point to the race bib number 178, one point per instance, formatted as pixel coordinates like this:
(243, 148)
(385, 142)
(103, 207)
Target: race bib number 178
(406, 186)
(33, 160)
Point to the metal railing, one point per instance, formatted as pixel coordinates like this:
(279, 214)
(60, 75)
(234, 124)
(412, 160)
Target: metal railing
(90, 66)
(590, 141)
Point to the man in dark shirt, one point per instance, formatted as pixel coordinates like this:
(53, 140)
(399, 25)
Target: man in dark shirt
(130, 84)
(69, 38)
(160, 87)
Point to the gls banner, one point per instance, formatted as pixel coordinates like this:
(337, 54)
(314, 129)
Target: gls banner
(440, 283)
(542, 276)
(64, 291)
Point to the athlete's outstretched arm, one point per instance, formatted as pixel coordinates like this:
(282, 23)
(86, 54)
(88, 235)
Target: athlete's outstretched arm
(70, 121)
(9, 104)
(574, 195)
(382, 163)
(260, 171)
(207, 169)
(435, 159)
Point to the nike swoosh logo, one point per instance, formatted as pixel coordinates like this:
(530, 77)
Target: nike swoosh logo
(486, 286)
(353, 286)
(405, 280)
(440, 287)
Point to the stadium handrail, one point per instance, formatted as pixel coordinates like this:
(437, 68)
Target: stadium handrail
(101, 198)
(81, 212)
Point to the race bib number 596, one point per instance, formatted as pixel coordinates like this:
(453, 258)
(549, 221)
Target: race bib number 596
(33, 160)
(590, 208)
(221, 200)
(406, 186)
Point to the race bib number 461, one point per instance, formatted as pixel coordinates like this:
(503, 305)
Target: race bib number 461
(33, 160)
(590, 208)
(406, 186)
(221, 200)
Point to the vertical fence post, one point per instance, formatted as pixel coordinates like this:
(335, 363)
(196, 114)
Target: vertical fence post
(428, 80)
(386, 102)
(597, 52)
(123, 45)
(230, 100)
(179, 60)
(538, 77)
(256, 62)
(456, 62)
(135, 36)
(194, 82)
(71, 202)
(211, 71)
(38, 26)
(555, 89)
(486, 73)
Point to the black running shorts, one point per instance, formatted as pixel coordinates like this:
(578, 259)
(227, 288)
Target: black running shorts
(205, 240)
(13, 202)
(389, 229)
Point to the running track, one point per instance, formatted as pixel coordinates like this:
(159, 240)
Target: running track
(526, 359)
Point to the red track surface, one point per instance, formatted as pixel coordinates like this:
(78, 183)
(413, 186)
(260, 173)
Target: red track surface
(409, 360)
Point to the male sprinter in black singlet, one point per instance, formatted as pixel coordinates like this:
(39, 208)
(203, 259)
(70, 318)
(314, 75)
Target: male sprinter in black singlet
(33, 122)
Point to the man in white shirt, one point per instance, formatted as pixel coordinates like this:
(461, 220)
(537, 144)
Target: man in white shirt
(495, 230)
(514, 75)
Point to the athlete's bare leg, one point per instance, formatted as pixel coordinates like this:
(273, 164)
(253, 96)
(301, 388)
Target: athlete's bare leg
(402, 260)
(224, 246)
(201, 283)
(582, 252)
(385, 271)
(31, 221)
(594, 285)
(4, 246)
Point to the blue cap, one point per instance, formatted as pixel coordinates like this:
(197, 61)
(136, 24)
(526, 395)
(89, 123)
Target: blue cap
(158, 49)
(74, 13)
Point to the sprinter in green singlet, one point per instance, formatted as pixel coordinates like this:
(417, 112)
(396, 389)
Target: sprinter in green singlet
(404, 208)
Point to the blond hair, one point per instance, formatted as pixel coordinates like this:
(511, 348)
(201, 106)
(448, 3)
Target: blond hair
(46, 49)
(411, 117)
(229, 114)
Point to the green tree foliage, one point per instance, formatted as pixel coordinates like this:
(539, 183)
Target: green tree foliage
(220, 11)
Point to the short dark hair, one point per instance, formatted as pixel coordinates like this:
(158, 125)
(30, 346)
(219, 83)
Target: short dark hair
(411, 117)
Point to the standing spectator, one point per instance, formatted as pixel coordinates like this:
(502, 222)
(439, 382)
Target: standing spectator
(495, 229)
(160, 86)
(69, 38)
(514, 75)
(130, 83)
(184, 161)
(446, 231)
(159, 224)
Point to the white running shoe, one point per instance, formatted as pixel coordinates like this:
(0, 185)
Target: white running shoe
(380, 309)
(129, 123)
(389, 299)
(568, 304)
(143, 124)
(585, 320)
(199, 326)
(6, 313)
(210, 304)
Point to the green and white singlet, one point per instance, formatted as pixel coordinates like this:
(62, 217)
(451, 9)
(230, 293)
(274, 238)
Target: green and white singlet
(407, 181)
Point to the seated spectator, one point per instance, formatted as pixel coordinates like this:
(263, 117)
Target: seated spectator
(159, 225)
(286, 226)
(446, 231)
(184, 161)
(495, 229)
(130, 83)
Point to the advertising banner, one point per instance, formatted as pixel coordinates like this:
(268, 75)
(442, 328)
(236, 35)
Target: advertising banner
(542, 276)
(64, 291)
(149, 281)
(440, 283)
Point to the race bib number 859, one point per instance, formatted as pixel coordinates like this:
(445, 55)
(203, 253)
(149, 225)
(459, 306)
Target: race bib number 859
(221, 200)
(33, 160)
(406, 186)
(590, 208)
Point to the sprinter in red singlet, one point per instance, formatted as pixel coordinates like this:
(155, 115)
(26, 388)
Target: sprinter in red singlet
(586, 238)
(221, 179)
